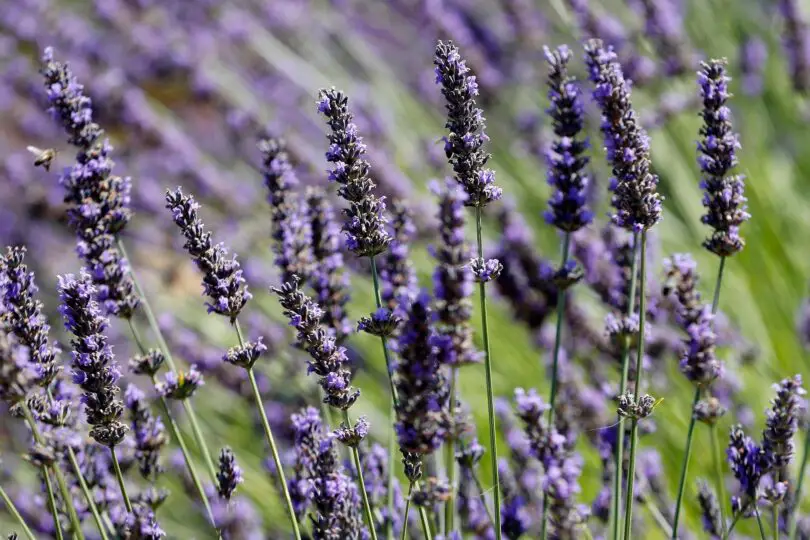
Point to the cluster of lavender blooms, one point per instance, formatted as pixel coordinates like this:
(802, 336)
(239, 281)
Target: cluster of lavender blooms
(430, 335)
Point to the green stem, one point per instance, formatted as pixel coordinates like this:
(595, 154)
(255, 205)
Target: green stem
(52, 503)
(759, 523)
(733, 524)
(794, 514)
(718, 471)
(496, 483)
(618, 458)
(404, 534)
(389, 523)
(716, 299)
(775, 521)
(91, 503)
(480, 488)
(423, 517)
(359, 468)
(657, 516)
(685, 466)
(642, 317)
(192, 469)
(120, 477)
(16, 513)
(164, 348)
(450, 459)
(60, 479)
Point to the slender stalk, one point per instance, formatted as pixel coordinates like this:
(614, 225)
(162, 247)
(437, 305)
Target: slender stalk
(618, 458)
(642, 317)
(450, 460)
(481, 492)
(794, 514)
(716, 299)
(496, 482)
(91, 503)
(192, 469)
(718, 471)
(657, 516)
(389, 523)
(16, 513)
(378, 299)
(423, 517)
(733, 524)
(759, 523)
(404, 534)
(57, 525)
(685, 466)
(164, 348)
(359, 468)
(120, 477)
(60, 479)
(775, 521)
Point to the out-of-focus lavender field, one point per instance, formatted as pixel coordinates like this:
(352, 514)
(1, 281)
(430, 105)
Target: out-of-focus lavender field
(185, 89)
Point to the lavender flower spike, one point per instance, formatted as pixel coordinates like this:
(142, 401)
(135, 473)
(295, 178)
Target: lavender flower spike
(782, 423)
(365, 219)
(24, 314)
(222, 276)
(748, 463)
(635, 199)
(464, 144)
(229, 475)
(94, 366)
(149, 433)
(567, 163)
(724, 201)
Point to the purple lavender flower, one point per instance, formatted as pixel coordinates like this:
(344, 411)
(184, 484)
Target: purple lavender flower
(486, 270)
(327, 360)
(515, 520)
(453, 281)
(98, 201)
(180, 385)
(335, 499)
(682, 283)
(636, 202)
(23, 313)
(222, 277)
(328, 278)
(147, 364)
(709, 510)
(290, 231)
(352, 436)
(17, 375)
(422, 419)
(245, 356)
(464, 144)
(94, 366)
(375, 473)
(307, 433)
(148, 431)
(782, 423)
(397, 274)
(229, 475)
(141, 524)
(723, 199)
(748, 463)
(663, 25)
(796, 42)
(753, 57)
(365, 220)
(566, 161)
(382, 323)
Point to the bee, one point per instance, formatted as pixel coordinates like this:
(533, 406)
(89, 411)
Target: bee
(44, 158)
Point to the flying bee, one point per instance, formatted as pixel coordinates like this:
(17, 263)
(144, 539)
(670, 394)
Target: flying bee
(44, 158)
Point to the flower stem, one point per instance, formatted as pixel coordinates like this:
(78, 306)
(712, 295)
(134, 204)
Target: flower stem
(642, 316)
(554, 368)
(192, 469)
(60, 480)
(685, 466)
(423, 517)
(759, 523)
(360, 480)
(120, 477)
(775, 521)
(733, 524)
(718, 471)
(268, 433)
(91, 503)
(52, 502)
(794, 514)
(450, 459)
(657, 516)
(16, 513)
(716, 299)
(496, 483)
(164, 348)
(404, 534)
(618, 458)
(481, 494)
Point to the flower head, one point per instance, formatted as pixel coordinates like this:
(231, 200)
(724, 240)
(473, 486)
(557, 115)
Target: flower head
(352, 436)
(180, 385)
(636, 202)
(397, 274)
(464, 143)
(246, 355)
(229, 475)
(222, 276)
(748, 462)
(148, 431)
(723, 196)
(709, 510)
(782, 422)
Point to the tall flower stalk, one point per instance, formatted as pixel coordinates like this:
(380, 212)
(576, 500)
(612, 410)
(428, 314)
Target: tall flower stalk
(568, 176)
(637, 208)
(12, 509)
(228, 293)
(464, 147)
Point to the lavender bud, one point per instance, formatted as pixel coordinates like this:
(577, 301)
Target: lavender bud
(782, 422)
(775, 493)
(468, 455)
(180, 385)
(328, 279)
(635, 199)
(94, 366)
(222, 277)
(308, 431)
(753, 57)
(17, 375)
(630, 408)
(23, 313)
(709, 411)
(485, 271)
(245, 355)
(682, 282)
(566, 158)
(567, 275)
(397, 274)
(149, 433)
(229, 475)
(464, 144)
(723, 199)
(352, 436)
(422, 417)
(365, 219)
(433, 492)
(327, 360)
(147, 364)
(412, 465)
(336, 502)
(709, 510)
(795, 43)
(698, 361)
(382, 323)
(748, 463)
